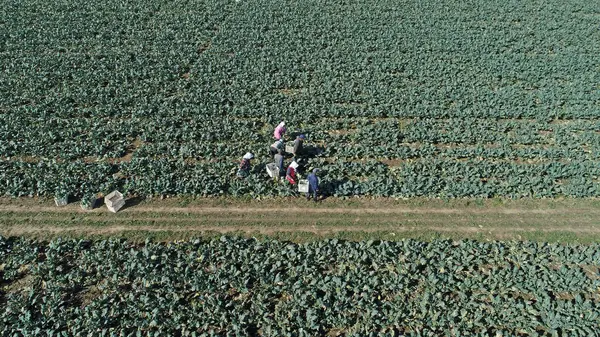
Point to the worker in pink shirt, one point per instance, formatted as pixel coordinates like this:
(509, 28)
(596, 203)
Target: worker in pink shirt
(279, 131)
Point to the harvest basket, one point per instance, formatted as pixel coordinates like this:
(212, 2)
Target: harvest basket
(289, 149)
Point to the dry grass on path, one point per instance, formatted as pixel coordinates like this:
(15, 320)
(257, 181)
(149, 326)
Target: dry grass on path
(566, 220)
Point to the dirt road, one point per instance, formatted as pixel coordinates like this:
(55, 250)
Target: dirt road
(545, 220)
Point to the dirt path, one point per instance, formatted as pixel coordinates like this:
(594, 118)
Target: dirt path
(334, 210)
(175, 218)
(263, 230)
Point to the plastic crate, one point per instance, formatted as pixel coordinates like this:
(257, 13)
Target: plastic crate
(289, 149)
(92, 203)
(114, 201)
(303, 186)
(61, 200)
(272, 170)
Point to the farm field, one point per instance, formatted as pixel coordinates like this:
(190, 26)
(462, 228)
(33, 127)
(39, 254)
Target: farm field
(469, 129)
(245, 287)
(406, 98)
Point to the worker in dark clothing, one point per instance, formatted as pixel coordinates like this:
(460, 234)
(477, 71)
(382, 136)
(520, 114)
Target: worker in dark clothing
(279, 162)
(313, 185)
(298, 146)
(278, 145)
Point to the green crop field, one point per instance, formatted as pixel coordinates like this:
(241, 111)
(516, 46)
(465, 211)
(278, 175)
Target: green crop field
(410, 99)
(243, 287)
(406, 98)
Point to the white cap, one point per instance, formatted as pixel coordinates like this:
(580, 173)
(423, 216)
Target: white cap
(248, 155)
(294, 165)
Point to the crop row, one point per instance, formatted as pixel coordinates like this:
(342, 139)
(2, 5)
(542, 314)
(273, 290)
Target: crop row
(162, 176)
(481, 105)
(104, 137)
(238, 287)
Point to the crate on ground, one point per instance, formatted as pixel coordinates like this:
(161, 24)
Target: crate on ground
(114, 201)
(272, 170)
(289, 149)
(303, 186)
(89, 202)
(61, 200)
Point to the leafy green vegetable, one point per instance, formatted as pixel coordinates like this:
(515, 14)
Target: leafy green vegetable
(164, 97)
(235, 286)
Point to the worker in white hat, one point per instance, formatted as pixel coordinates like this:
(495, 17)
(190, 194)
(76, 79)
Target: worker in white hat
(244, 170)
(291, 173)
(279, 131)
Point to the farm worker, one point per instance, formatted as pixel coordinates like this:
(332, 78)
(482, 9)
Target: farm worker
(279, 131)
(279, 162)
(313, 184)
(276, 146)
(291, 173)
(244, 170)
(298, 146)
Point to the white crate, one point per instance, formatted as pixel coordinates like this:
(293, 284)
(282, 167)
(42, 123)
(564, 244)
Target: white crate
(61, 201)
(114, 201)
(91, 204)
(116, 206)
(303, 186)
(272, 170)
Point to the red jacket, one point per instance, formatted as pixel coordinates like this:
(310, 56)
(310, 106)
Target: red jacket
(291, 175)
(245, 165)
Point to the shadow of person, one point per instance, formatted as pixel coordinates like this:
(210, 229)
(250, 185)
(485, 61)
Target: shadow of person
(312, 151)
(330, 187)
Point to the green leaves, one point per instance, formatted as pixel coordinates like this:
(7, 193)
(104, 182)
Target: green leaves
(170, 94)
(238, 286)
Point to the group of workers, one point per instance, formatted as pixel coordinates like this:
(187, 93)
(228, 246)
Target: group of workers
(277, 151)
